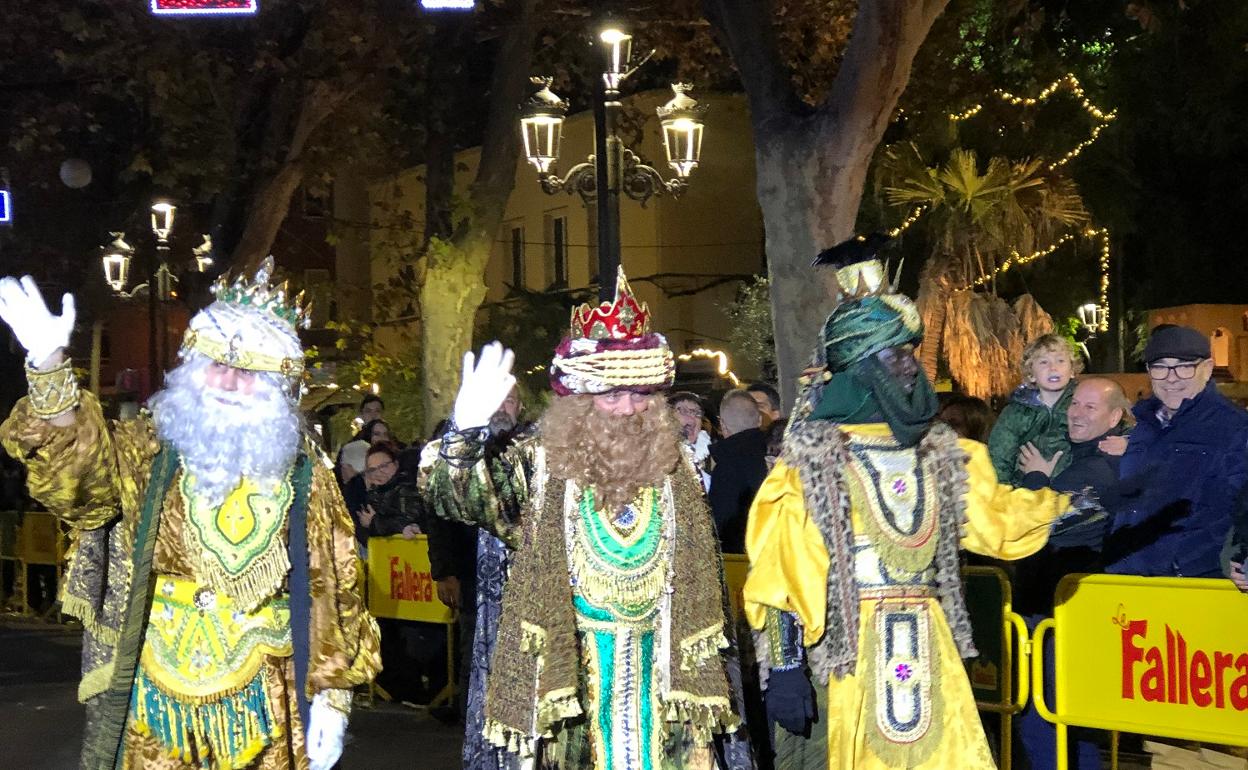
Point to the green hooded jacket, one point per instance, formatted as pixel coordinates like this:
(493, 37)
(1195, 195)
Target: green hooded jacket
(1026, 419)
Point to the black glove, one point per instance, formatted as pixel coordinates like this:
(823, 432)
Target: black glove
(790, 700)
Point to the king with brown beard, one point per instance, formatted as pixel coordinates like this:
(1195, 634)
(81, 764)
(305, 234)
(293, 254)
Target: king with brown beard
(608, 648)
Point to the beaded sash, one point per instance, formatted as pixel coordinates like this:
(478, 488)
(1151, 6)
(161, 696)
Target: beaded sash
(619, 572)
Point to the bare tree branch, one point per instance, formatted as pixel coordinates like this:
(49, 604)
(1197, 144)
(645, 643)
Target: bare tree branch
(887, 35)
(746, 29)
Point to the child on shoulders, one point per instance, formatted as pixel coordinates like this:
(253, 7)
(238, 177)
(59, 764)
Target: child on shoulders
(1036, 414)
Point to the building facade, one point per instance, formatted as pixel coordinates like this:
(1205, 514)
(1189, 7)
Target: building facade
(684, 256)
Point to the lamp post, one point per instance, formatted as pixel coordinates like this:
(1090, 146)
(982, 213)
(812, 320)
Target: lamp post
(1091, 315)
(118, 256)
(541, 128)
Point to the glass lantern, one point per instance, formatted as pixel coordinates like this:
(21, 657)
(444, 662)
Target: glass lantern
(203, 254)
(682, 130)
(116, 270)
(1092, 316)
(541, 126)
(617, 52)
(162, 219)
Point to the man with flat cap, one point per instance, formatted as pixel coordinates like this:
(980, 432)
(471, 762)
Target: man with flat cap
(1185, 466)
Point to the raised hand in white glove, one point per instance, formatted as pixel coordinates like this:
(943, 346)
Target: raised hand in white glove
(41, 333)
(326, 728)
(487, 380)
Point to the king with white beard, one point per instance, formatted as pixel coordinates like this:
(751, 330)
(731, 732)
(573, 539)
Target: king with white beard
(214, 566)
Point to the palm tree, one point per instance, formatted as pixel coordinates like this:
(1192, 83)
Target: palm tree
(978, 222)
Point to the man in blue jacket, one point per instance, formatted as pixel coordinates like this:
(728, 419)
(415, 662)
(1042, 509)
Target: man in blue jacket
(1185, 466)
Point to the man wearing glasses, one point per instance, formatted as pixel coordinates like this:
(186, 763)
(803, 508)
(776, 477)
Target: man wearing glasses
(1185, 465)
(689, 413)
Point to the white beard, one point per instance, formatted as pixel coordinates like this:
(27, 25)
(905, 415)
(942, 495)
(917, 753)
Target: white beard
(223, 436)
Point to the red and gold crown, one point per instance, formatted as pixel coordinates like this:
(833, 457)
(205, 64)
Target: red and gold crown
(619, 320)
(610, 347)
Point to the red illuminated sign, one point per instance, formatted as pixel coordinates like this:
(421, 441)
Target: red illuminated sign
(203, 7)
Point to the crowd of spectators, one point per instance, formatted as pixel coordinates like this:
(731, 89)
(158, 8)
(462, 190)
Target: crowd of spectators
(1159, 488)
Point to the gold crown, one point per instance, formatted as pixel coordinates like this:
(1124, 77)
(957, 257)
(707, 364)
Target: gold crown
(259, 294)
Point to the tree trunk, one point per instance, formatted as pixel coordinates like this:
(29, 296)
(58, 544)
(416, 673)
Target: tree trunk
(801, 217)
(267, 212)
(453, 289)
(812, 164)
(454, 278)
(934, 309)
(271, 203)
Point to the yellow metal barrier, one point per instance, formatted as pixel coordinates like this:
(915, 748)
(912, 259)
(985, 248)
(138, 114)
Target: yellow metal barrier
(1156, 656)
(999, 676)
(400, 586)
(736, 565)
(32, 538)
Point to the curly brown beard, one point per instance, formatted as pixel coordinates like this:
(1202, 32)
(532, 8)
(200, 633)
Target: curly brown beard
(615, 455)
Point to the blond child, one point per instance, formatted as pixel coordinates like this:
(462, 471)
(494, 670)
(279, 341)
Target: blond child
(1036, 414)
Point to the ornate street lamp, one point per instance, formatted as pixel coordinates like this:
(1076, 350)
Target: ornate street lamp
(617, 54)
(682, 123)
(1091, 315)
(162, 220)
(116, 259)
(541, 128)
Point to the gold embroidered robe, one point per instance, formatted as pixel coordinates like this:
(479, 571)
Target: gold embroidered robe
(789, 565)
(94, 474)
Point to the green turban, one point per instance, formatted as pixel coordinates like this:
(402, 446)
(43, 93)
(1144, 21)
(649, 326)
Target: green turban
(863, 327)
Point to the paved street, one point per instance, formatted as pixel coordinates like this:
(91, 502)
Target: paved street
(42, 721)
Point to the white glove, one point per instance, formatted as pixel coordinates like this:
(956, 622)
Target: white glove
(23, 309)
(486, 382)
(326, 728)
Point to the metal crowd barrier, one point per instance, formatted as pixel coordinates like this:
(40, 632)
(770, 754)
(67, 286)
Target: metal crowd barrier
(32, 538)
(1162, 657)
(399, 586)
(999, 676)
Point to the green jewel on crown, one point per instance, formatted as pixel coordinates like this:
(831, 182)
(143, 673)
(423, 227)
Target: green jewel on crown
(259, 294)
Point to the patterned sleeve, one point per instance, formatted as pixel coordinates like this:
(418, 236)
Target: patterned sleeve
(463, 484)
(345, 644)
(71, 470)
(1004, 522)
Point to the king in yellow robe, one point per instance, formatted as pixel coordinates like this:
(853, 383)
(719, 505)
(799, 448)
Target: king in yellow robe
(853, 539)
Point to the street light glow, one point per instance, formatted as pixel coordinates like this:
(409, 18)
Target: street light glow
(116, 270)
(618, 55)
(447, 5)
(682, 130)
(541, 126)
(162, 219)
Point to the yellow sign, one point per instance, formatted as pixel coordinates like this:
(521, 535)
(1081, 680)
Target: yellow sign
(399, 583)
(1158, 656)
(39, 538)
(735, 567)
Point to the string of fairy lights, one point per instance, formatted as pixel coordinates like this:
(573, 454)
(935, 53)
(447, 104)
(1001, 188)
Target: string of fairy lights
(1101, 235)
(915, 214)
(1068, 83)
